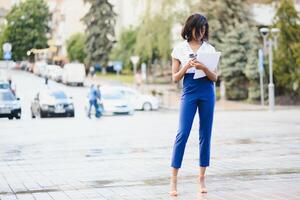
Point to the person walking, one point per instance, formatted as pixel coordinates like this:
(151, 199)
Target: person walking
(93, 96)
(196, 94)
(99, 104)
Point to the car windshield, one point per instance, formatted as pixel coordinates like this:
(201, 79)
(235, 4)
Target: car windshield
(58, 95)
(7, 96)
(4, 86)
(112, 95)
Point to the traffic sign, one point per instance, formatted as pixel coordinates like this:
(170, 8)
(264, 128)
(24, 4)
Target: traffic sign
(118, 66)
(7, 47)
(7, 55)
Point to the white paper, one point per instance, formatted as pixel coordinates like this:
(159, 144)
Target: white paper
(210, 60)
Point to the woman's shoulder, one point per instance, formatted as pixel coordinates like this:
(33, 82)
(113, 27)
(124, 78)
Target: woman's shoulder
(209, 47)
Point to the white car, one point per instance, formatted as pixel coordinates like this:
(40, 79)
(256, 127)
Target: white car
(74, 73)
(138, 100)
(55, 72)
(113, 102)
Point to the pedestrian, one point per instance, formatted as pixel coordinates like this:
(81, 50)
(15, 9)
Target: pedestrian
(12, 86)
(196, 94)
(46, 79)
(92, 100)
(92, 71)
(138, 79)
(99, 104)
(93, 96)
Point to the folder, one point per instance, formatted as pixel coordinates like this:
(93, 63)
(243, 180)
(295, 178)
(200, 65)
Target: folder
(210, 60)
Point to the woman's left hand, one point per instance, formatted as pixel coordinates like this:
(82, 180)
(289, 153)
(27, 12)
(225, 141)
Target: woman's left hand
(199, 65)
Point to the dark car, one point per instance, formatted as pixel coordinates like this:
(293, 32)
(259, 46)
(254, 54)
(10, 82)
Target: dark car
(9, 105)
(52, 104)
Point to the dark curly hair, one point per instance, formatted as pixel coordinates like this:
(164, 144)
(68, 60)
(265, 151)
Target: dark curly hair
(195, 21)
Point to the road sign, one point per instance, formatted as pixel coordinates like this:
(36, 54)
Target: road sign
(7, 55)
(6, 47)
(118, 66)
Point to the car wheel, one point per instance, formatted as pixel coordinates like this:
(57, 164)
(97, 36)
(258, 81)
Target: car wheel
(71, 114)
(10, 117)
(42, 114)
(18, 116)
(147, 106)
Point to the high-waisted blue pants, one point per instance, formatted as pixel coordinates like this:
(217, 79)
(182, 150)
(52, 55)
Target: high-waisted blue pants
(197, 93)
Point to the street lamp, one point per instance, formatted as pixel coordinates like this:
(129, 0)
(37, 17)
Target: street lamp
(269, 39)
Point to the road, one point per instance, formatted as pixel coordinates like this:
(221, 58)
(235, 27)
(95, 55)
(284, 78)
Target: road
(255, 154)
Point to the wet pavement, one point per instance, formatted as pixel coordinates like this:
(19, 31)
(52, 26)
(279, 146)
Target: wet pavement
(255, 155)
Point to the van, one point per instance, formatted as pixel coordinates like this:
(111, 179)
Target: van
(73, 74)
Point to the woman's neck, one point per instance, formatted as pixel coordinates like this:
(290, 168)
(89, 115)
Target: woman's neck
(196, 42)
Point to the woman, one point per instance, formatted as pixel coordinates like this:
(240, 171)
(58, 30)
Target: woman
(197, 94)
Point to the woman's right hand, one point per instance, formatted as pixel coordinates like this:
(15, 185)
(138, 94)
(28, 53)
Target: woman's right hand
(189, 64)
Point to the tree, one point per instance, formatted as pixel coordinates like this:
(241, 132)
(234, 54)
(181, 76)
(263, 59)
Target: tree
(154, 32)
(76, 47)
(153, 41)
(100, 33)
(287, 55)
(251, 69)
(231, 31)
(232, 68)
(27, 27)
(124, 47)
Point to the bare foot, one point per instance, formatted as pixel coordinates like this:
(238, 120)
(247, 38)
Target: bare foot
(202, 184)
(173, 184)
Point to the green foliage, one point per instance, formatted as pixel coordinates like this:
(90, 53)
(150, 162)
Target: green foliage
(124, 47)
(233, 63)
(251, 69)
(231, 31)
(27, 26)
(100, 24)
(2, 39)
(287, 56)
(154, 33)
(76, 47)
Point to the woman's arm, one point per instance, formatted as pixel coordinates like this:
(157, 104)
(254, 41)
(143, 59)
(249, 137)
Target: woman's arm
(177, 72)
(212, 75)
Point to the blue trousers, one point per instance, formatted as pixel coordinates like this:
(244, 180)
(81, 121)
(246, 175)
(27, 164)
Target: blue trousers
(97, 108)
(196, 94)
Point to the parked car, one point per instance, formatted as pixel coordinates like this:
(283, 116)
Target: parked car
(24, 65)
(52, 103)
(73, 73)
(9, 105)
(113, 102)
(5, 85)
(55, 72)
(138, 100)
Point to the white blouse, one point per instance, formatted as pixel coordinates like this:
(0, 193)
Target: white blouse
(183, 50)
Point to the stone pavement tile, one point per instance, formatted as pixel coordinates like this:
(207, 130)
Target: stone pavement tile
(90, 193)
(106, 192)
(75, 194)
(8, 197)
(25, 197)
(59, 196)
(42, 196)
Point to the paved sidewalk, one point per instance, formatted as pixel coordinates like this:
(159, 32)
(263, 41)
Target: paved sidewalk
(255, 155)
